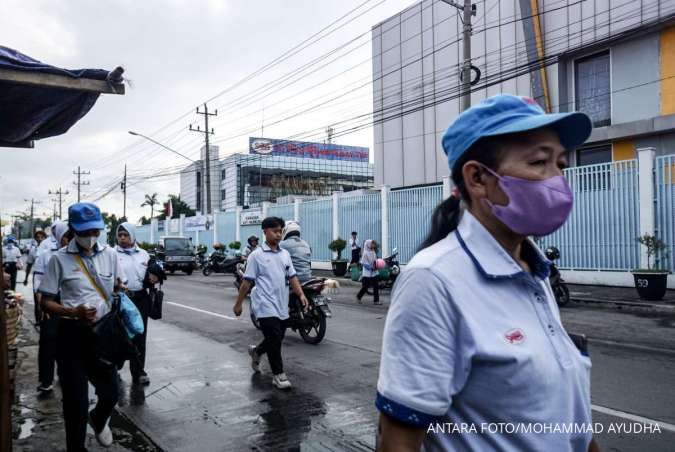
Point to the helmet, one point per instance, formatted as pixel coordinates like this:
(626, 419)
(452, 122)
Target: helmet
(253, 238)
(217, 245)
(552, 253)
(380, 264)
(291, 226)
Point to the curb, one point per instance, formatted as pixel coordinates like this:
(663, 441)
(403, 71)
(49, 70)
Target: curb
(668, 309)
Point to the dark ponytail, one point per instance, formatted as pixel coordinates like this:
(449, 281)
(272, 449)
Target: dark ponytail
(447, 214)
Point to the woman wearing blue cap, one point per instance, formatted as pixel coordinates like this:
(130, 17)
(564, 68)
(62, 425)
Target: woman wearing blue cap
(84, 275)
(474, 355)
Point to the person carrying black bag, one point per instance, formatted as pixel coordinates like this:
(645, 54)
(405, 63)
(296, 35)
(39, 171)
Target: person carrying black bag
(134, 261)
(85, 274)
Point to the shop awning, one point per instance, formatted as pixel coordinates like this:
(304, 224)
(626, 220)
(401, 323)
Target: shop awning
(39, 101)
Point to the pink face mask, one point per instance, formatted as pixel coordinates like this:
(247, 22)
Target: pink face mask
(536, 207)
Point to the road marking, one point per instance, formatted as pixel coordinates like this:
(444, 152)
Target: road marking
(236, 319)
(633, 417)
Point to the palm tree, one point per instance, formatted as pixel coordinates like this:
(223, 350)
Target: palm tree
(151, 201)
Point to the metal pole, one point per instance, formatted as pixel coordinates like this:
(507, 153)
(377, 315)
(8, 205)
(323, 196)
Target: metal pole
(124, 189)
(208, 161)
(466, 67)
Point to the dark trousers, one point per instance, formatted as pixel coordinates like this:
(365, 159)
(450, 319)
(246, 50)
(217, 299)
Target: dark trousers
(78, 366)
(370, 282)
(274, 329)
(356, 256)
(47, 349)
(10, 269)
(142, 301)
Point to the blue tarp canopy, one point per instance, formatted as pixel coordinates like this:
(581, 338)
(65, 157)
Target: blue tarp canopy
(39, 101)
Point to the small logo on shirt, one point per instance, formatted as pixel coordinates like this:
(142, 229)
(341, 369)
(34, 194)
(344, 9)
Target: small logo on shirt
(515, 336)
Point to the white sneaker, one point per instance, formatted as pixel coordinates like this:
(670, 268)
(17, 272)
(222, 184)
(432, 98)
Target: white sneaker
(105, 436)
(281, 381)
(255, 358)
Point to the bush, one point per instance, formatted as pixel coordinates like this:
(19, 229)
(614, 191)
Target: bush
(338, 245)
(147, 246)
(234, 245)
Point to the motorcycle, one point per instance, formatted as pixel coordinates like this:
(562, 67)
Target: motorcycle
(560, 290)
(387, 276)
(311, 324)
(221, 263)
(201, 258)
(239, 271)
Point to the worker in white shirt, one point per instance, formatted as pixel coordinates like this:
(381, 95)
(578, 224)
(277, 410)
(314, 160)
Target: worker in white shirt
(11, 260)
(134, 263)
(33, 252)
(47, 346)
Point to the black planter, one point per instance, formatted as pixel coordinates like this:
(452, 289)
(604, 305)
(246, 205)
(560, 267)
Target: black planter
(339, 268)
(651, 286)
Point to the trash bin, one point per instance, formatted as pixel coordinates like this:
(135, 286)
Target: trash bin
(355, 273)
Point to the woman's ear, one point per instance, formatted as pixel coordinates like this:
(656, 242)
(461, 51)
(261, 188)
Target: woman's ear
(474, 179)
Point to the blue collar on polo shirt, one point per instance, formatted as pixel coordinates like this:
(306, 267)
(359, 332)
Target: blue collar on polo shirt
(265, 247)
(491, 260)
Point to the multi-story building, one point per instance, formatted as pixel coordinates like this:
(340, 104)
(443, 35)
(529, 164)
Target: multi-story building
(613, 59)
(278, 169)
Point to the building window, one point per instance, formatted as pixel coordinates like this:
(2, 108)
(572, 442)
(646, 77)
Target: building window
(592, 90)
(597, 177)
(594, 155)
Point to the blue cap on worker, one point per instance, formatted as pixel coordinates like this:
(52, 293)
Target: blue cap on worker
(83, 216)
(505, 113)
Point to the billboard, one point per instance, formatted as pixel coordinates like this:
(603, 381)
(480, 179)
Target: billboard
(197, 223)
(249, 217)
(303, 149)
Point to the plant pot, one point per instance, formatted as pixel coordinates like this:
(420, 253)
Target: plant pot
(651, 285)
(339, 268)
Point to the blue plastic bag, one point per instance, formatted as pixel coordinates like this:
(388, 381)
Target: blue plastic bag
(133, 322)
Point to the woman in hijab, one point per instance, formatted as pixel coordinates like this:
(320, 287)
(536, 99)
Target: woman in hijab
(369, 275)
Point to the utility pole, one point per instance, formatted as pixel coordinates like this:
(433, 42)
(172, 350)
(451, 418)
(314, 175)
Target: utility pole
(207, 159)
(79, 173)
(32, 212)
(54, 212)
(123, 186)
(467, 10)
(59, 192)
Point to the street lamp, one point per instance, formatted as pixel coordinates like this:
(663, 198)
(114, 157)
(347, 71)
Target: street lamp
(136, 134)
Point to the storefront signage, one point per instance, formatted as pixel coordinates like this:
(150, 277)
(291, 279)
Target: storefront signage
(249, 217)
(197, 223)
(303, 149)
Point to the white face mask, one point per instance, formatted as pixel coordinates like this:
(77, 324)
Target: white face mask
(86, 242)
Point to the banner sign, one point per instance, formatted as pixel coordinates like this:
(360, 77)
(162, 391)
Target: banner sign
(197, 223)
(249, 217)
(303, 149)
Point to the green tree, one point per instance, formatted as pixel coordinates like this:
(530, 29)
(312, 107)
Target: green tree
(144, 220)
(179, 207)
(152, 202)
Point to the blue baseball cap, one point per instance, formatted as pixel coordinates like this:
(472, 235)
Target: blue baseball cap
(84, 216)
(505, 113)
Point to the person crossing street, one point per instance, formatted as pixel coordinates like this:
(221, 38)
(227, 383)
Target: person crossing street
(11, 260)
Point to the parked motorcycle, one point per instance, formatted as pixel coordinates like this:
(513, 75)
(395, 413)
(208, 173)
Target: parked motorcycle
(239, 271)
(560, 290)
(201, 257)
(311, 324)
(387, 276)
(221, 263)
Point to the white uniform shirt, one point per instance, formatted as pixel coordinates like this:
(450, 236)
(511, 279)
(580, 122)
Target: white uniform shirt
(271, 271)
(33, 253)
(134, 263)
(473, 340)
(11, 254)
(65, 277)
(41, 263)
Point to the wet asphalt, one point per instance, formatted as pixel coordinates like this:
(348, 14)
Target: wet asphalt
(204, 396)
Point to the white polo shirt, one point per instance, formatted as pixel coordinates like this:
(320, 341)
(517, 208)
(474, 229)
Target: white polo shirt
(472, 340)
(134, 263)
(64, 277)
(41, 263)
(271, 271)
(11, 254)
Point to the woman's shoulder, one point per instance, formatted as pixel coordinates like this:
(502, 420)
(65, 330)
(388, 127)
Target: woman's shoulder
(441, 253)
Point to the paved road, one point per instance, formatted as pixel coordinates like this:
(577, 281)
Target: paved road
(203, 392)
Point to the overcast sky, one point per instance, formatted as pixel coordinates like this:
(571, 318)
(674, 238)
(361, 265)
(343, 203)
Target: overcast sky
(177, 54)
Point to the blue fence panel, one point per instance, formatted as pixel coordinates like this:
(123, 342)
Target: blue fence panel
(363, 214)
(143, 233)
(206, 238)
(316, 218)
(664, 168)
(602, 229)
(226, 222)
(410, 218)
(249, 230)
(285, 211)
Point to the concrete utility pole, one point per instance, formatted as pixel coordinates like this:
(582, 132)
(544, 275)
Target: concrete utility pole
(79, 173)
(32, 214)
(123, 186)
(467, 10)
(207, 159)
(59, 192)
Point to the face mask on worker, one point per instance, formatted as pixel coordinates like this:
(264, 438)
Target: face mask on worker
(536, 207)
(86, 242)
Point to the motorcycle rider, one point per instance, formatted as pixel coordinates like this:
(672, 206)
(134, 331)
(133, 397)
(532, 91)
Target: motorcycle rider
(300, 251)
(252, 245)
(218, 254)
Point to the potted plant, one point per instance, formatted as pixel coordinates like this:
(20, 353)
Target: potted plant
(339, 265)
(234, 245)
(651, 283)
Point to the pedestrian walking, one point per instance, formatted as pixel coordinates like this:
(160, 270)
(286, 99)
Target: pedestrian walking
(355, 248)
(47, 345)
(369, 273)
(11, 260)
(134, 262)
(473, 336)
(271, 268)
(85, 274)
(38, 238)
